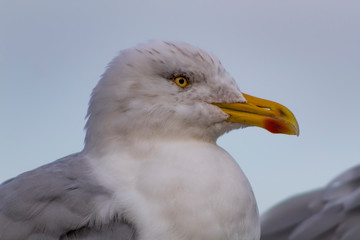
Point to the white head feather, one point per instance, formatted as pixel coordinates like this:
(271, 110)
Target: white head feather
(136, 96)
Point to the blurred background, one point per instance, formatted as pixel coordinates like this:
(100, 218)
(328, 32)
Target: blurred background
(304, 54)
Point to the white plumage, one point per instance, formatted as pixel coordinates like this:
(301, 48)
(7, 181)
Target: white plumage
(171, 175)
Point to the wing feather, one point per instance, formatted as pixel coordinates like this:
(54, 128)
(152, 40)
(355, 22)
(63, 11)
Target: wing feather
(331, 213)
(54, 200)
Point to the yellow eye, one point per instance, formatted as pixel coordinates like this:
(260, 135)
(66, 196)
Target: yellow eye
(181, 81)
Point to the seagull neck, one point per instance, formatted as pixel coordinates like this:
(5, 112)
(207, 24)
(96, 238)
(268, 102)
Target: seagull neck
(134, 145)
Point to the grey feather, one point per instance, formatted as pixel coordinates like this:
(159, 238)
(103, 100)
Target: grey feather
(331, 213)
(114, 231)
(55, 201)
(278, 218)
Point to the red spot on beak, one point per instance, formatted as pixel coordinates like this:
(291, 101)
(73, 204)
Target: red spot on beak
(274, 125)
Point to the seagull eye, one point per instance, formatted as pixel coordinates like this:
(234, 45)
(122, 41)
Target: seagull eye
(181, 81)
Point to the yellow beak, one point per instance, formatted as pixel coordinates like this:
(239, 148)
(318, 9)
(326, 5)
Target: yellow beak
(272, 116)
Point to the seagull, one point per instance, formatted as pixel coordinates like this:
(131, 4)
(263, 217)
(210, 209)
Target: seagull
(150, 168)
(328, 213)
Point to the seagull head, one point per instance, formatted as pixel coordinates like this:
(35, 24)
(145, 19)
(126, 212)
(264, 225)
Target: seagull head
(175, 90)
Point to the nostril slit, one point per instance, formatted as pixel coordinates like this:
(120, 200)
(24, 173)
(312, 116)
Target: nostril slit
(266, 108)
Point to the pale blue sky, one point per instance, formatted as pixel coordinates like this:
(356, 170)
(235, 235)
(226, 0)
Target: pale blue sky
(304, 54)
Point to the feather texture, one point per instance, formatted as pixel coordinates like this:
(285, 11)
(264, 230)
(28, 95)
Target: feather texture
(54, 200)
(330, 213)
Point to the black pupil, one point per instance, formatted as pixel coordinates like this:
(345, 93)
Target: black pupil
(181, 81)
